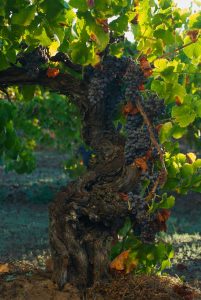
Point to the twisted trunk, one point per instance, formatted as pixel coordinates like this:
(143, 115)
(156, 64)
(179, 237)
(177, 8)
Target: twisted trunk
(86, 215)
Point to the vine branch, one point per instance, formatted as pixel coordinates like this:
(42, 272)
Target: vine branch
(176, 50)
(163, 174)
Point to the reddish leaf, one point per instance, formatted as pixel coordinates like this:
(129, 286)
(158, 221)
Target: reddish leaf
(93, 37)
(129, 108)
(148, 72)
(187, 79)
(52, 72)
(144, 63)
(141, 87)
(103, 23)
(141, 163)
(193, 34)
(165, 214)
(90, 3)
(123, 196)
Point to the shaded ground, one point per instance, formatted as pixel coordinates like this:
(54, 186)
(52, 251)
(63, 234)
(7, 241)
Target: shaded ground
(40, 287)
(24, 221)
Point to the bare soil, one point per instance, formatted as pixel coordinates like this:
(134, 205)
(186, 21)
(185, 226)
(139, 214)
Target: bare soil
(39, 286)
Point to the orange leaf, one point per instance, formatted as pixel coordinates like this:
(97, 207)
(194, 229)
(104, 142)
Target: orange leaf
(178, 100)
(129, 108)
(147, 73)
(4, 268)
(93, 37)
(144, 63)
(141, 163)
(163, 215)
(187, 80)
(103, 23)
(123, 196)
(141, 87)
(119, 263)
(52, 72)
(193, 34)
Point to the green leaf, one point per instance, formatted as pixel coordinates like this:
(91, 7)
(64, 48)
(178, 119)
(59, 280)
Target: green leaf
(195, 21)
(25, 16)
(52, 9)
(126, 228)
(165, 132)
(3, 62)
(178, 132)
(120, 25)
(167, 202)
(165, 264)
(183, 115)
(197, 163)
(187, 170)
(193, 50)
(79, 4)
(159, 87)
(28, 92)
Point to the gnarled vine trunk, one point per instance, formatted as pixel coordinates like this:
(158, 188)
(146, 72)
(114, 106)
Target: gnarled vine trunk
(86, 215)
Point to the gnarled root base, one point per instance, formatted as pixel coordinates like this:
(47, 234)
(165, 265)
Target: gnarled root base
(82, 229)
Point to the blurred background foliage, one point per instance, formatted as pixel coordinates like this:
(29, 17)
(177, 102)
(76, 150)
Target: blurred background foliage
(31, 122)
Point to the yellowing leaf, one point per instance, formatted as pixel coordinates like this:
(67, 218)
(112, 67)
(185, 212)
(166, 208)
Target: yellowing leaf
(191, 157)
(123, 262)
(4, 268)
(119, 263)
(53, 48)
(184, 115)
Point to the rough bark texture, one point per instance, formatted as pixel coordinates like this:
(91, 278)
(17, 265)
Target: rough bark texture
(86, 215)
(83, 221)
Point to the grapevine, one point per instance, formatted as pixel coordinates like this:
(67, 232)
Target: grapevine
(117, 81)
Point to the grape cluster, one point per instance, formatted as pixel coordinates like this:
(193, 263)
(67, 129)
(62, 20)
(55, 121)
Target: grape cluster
(132, 79)
(33, 60)
(103, 77)
(153, 107)
(105, 93)
(146, 223)
(138, 140)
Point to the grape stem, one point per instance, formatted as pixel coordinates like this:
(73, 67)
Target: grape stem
(163, 173)
(176, 50)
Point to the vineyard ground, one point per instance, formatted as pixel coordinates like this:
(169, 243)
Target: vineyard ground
(24, 220)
